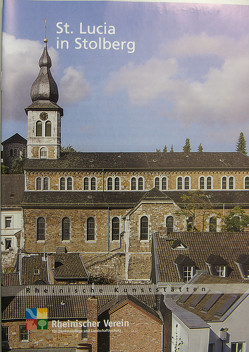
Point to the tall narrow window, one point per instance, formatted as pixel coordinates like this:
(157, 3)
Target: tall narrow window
(247, 182)
(209, 182)
(187, 182)
(179, 183)
(109, 183)
(11, 152)
(8, 222)
(45, 183)
(38, 184)
(65, 229)
(40, 235)
(38, 128)
(140, 184)
(93, 183)
(202, 182)
(212, 224)
(69, 183)
(133, 184)
(164, 184)
(90, 229)
(62, 184)
(115, 229)
(23, 333)
(188, 272)
(48, 128)
(86, 184)
(43, 153)
(157, 182)
(144, 228)
(117, 183)
(5, 333)
(231, 182)
(224, 182)
(238, 347)
(169, 224)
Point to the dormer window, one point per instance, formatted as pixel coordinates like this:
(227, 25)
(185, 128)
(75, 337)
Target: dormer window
(217, 265)
(186, 267)
(221, 270)
(188, 273)
(243, 264)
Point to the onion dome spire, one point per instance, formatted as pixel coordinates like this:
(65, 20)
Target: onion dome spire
(44, 87)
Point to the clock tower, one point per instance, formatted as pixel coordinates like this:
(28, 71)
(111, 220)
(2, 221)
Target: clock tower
(44, 115)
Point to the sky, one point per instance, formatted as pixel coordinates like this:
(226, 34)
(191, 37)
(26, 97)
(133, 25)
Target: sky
(132, 76)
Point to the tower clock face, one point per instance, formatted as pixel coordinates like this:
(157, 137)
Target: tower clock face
(43, 116)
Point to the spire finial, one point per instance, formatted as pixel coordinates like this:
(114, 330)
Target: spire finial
(45, 31)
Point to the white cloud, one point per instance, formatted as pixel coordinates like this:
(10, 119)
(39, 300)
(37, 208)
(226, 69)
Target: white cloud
(73, 86)
(20, 69)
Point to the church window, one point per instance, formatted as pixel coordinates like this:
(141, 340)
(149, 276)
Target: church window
(11, 152)
(202, 182)
(117, 183)
(213, 224)
(224, 182)
(187, 182)
(179, 182)
(65, 229)
(247, 182)
(69, 183)
(164, 184)
(169, 224)
(86, 184)
(62, 184)
(231, 182)
(144, 228)
(40, 229)
(43, 153)
(209, 182)
(115, 229)
(48, 128)
(38, 128)
(38, 184)
(157, 182)
(133, 183)
(90, 229)
(140, 183)
(109, 183)
(15, 152)
(45, 183)
(93, 183)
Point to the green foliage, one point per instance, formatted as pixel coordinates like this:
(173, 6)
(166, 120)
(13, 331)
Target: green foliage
(241, 145)
(68, 149)
(165, 149)
(187, 147)
(17, 166)
(172, 149)
(158, 150)
(235, 221)
(4, 169)
(200, 148)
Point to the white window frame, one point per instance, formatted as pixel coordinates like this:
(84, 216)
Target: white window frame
(43, 150)
(22, 340)
(10, 219)
(160, 180)
(221, 270)
(189, 270)
(237, 346)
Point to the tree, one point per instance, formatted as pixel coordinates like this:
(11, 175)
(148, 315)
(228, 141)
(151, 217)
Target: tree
(172, 149)
(187, 148)
(4, 169)
(235, 221)
(200, 148)
(17, 166)
(165, 149)
(158, 150)
(241, 145)
(68, 149)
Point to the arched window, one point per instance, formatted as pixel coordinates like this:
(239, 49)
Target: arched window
(164, 184)
(15, 152)
(213, 224)
(224, 182)
(144, 228)
(140, 184)
(247, 182)
(45, 183)
(38, 184)
(40, 231)
(117, 184)
(38, 128)
(202, 182)
(179, 182)
(115, 229)
(231, 182)
(69, 183)
(169, 224)
(187, 182)
(86, 184)
(157, 182)
(62, 184)
(90, 229)
(109, 183)
(65, 229)
(93, 183)
(133, 184)
(209, 182)
(43, 153)
(48, 128)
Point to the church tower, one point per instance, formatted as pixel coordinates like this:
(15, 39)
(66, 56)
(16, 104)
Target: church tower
(44, 115)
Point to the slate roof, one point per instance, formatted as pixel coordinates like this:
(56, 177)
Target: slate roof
(28, 267)
(12, 189)
(124, 199)
(16, 138)
(10, 279)
(142, 161)
(69, 266)
(199, 246)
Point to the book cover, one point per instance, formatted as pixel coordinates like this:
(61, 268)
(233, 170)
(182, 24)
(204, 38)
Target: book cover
(125, 176)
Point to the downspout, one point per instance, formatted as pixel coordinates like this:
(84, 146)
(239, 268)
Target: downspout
(103, 180)
(108, 229)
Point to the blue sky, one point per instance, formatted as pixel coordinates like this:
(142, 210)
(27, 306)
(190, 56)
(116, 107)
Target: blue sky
(188, 76)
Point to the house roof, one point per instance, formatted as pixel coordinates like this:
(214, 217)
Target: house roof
(142, 161)
(69, 266)
(199, 247)
(34, 270)
(10, 279)
(12, 189)
(16, 138)
(125, 199)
